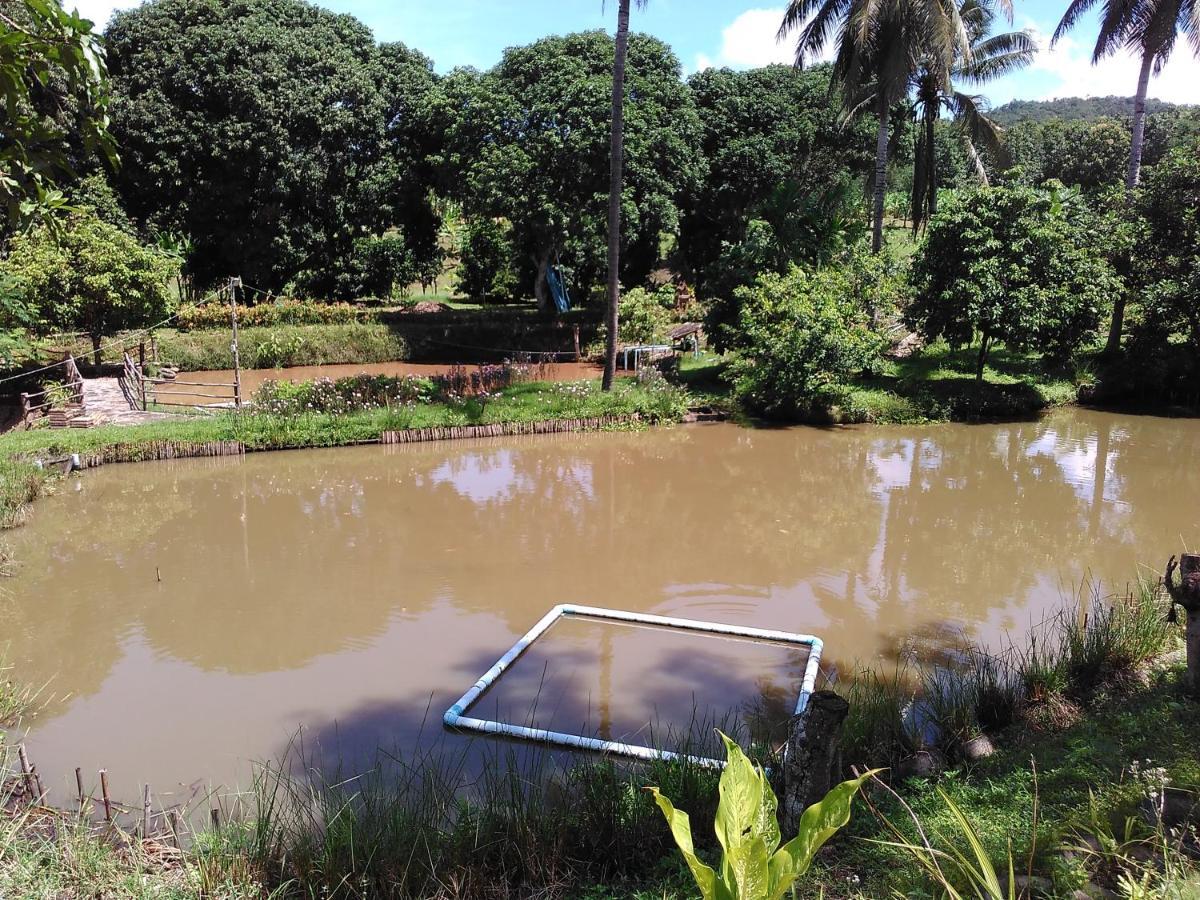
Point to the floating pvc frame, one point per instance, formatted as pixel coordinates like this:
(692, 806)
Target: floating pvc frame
(456, 717)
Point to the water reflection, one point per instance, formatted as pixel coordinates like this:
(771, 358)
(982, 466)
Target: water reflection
(365, 586)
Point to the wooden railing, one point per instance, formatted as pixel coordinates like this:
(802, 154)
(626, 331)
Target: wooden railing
(36, 404)
(141, 390)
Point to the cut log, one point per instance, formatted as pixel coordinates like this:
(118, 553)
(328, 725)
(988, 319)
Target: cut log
(813, 764)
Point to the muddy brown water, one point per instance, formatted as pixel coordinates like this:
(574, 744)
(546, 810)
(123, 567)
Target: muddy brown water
(253, 379)
(358, 592)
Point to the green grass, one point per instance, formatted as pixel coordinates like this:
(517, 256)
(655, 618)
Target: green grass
(938, 384)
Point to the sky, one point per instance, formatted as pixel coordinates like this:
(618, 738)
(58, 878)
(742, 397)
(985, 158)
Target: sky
(735, 33)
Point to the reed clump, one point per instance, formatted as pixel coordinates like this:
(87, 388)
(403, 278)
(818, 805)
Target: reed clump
(1091, 650)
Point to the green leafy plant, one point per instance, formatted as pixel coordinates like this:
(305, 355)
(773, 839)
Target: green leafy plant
(800, 338)
(754, 866)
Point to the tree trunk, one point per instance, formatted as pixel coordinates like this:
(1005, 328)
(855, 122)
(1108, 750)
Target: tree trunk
(96, 351)
(616, 173)
(541, 287)
(814, 756)
(1117, 325)
(881, 158)
(982, 358)
(931, 163)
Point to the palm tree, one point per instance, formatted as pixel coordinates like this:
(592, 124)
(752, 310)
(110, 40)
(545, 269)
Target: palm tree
(1148, 28)
(880, 46)
(987, 58)
(615, 184)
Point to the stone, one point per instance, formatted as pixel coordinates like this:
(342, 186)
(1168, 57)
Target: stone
(922, 764)
(976, 749)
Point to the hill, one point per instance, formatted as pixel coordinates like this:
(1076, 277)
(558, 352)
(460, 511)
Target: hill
(1072, 108)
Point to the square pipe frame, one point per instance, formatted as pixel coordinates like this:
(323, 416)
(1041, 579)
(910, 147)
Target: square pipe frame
(456, 716)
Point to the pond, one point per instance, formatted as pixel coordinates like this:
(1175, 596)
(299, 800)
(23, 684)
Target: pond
(190, 617)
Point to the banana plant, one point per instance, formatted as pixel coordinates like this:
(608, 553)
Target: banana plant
(753, 865)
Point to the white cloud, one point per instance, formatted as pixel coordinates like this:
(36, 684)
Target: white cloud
(1066, 70)
(750, 41)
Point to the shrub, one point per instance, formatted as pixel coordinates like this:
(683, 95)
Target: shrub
(800, 337)
(646, 316)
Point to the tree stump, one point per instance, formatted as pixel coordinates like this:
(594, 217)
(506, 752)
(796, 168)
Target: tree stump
(1186, 593)
(813, 764)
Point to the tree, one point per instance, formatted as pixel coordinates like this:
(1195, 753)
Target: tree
(529, 141)
(91, 276)
(55, 89)
(615, 184)
(880, 46)
(1010, 264)
(1150, 29)
(485, 269)
(272, 133)
(774, 147)
(987, 56)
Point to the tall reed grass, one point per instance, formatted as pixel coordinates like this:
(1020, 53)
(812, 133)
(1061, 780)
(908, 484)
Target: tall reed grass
(1093, 647)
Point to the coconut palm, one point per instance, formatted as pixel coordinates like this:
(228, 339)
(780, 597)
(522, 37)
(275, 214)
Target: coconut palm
(990, 56)
(615, 185)
(1148, 28)
(880, 45)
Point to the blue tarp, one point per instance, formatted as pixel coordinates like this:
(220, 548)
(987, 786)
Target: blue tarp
(558, 289)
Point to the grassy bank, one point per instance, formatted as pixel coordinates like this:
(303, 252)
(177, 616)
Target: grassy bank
(1066, 795)
(938, 384)
(283, 345)
(21, 483)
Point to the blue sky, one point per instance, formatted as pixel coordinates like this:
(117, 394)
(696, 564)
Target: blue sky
(738, 33)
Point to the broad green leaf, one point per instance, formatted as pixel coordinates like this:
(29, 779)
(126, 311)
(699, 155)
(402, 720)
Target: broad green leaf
(748, 865)
(820, 822)
(681, 830)
(747, 804)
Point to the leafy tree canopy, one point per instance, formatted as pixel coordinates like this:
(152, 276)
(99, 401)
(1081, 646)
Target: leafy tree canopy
(53, 99)
(528, 141)
(271, 132)
(89, 276)
(1068, 108)
(1011, 264)
(765, 131)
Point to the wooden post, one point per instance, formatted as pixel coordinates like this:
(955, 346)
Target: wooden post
(234, 284)
(578, 354)
(104, 795)
(216, 819)
(79, 790)
(814, 756)
(26, 772)
(145, 812)
(1186, 593)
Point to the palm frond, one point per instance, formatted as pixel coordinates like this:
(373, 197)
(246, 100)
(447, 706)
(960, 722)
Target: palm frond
(999, 56)
(1077, 9)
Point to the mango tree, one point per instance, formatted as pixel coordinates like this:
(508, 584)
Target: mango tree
(90, 276)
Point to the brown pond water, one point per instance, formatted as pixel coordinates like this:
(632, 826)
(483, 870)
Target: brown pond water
(358, 592)
(252, 379)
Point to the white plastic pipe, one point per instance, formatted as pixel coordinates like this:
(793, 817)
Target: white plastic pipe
(456, 717)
